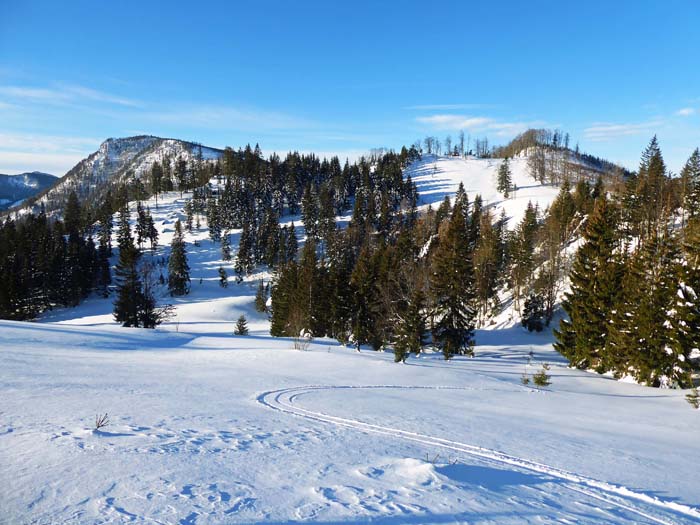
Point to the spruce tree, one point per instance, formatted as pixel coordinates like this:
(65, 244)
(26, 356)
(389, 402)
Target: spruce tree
(241, 326)
(261, 298)
(223, 277)
(226, 247)
(641, 333)
(452, 284)
(410, 326)
(178, 269)
(595, 282)
(505, 179)
(363, 281)
(244, 259)
(533, 313)
(690, 175)
(130, 299)
(283, 291)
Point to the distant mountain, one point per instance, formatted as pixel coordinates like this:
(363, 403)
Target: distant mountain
(14, 189)
(117, 161)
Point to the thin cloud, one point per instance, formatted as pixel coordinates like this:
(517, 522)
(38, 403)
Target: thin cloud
(454, 122)
(451, 122)
(40, 143)
(448, 107)
(20, 152)
(228, 117)
(601, 132)
(685, 112)
(64, 94)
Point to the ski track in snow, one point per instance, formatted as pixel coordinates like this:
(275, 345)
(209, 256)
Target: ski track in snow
(646, 506)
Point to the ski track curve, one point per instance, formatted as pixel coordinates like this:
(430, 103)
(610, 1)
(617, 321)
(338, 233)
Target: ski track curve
(283, 401)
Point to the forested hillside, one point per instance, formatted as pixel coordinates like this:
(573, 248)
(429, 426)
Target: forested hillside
(408, 251)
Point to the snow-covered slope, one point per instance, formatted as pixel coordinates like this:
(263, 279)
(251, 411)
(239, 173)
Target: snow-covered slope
(208, 427)
(214, 428)
(118, 160)
(437, 177)
(15, 188)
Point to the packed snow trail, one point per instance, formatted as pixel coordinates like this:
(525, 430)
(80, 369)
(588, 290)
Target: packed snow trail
(283, 400)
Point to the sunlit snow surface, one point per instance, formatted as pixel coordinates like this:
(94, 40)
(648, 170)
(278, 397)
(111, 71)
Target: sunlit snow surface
(207, 427)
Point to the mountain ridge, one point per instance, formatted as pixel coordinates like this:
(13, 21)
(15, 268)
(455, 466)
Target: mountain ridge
(116, 161)
(16, 188)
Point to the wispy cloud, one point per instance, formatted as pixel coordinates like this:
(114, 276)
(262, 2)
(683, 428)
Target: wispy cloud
(685, 112)
(454, 122)
(20, 152)
(500, 128)
(229, 117)
(64, 94)
(449, 107)
(603, 131)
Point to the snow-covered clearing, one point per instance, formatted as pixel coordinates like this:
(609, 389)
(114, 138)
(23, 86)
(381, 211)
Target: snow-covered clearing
(224, 429)
(437, 177)
(208, 427)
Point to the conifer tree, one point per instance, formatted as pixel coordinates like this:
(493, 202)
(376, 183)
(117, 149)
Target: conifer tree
(151, 230)
(72, 215)
(261, 298)
(310, 212)
(595, 282)
(130, 299)
(505, 179)
(533, 313)
(244, 259)
(363, 281)
(641, 335)
(223, 277)
(452, 284)
(124, 238)
(410, 327)
(283, 291)
(690, 175)
(225, 247)
(241, 326)
(178, 269)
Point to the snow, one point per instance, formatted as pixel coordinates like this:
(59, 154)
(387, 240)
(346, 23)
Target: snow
(437, 177)
(214, 428)
(208, 427)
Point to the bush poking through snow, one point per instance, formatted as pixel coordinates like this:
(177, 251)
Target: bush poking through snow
(101, 421)
(302, 341)
(693, 398)
(525, 379)
(541, 378)
(241, 326)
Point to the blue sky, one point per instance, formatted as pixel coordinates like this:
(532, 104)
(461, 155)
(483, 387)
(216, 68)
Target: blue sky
(344, 77)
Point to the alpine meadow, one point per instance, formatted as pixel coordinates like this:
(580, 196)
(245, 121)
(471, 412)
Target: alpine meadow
(345, 263)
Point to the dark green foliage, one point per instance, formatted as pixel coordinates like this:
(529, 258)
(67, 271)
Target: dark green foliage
(410, 327)
(595, 283)
(130, 299)
(241, 326)
(505, 179)
(178, 269)
(690, 177)
(223, 277)
(533, 313)
(283, 291)
(693, 398)
(452, 284)
(261, 297)
(542, 378)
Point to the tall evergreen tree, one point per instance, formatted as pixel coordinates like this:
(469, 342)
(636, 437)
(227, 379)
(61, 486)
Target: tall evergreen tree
(130, 298)
(595, 282)
(452, 283)
(505, 178)
(178, 268)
